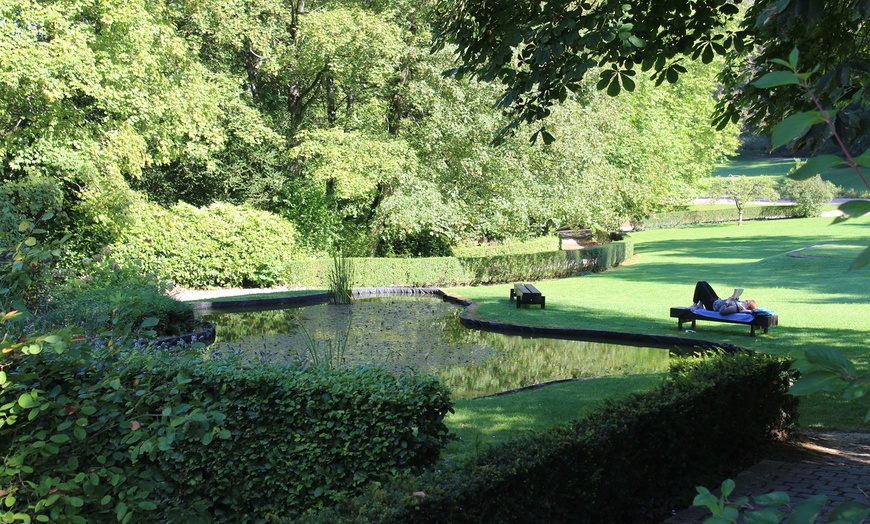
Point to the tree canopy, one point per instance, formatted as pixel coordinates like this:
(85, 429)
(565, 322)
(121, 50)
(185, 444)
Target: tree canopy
(333, 114)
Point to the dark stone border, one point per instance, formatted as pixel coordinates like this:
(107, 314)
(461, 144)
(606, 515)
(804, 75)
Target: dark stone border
(469, 320)
(298, 300)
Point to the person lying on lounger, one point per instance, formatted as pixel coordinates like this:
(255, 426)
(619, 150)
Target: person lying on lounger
(706, 298)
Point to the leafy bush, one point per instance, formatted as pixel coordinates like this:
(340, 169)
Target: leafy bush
(171, 437)
(105, 295)
(535, 245)
(809, 194)
(222, 245)
(630, 461)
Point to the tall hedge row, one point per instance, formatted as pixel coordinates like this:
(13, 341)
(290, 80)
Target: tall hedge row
(631, 461)
(91, 436)
(441, 271)
(224, 245)
(715, 216)
(221, 245)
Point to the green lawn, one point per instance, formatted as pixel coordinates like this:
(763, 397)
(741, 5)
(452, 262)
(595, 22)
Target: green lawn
(819, 302)
(778, 168)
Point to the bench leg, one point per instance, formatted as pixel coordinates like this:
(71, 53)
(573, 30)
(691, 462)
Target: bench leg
(679, 324)
(519, 301)
(542, 302)
(752, 330)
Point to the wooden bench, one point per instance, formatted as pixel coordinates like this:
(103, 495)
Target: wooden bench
(527, 294)
(685, 314)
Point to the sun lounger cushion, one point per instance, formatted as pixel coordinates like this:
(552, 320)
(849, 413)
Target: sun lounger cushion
(735, 317)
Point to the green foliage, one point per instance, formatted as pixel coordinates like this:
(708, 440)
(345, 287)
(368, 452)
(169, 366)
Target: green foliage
(341, 279)
(253, 247)
(808, 194)
(24, 262)
(844, 132)
(619, 464)
(541, 53)
(820, 370)
(743, 190)
(713, 216)
(105, 297)
(379, 272)
(89, 434)
(775, 507)
(534, 245)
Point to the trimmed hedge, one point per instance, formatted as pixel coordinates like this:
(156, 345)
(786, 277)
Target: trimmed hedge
(176, 438)
(715, 216)
(442, 271)
(630, 461)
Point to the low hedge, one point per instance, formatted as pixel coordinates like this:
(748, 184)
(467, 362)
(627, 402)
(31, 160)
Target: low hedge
(715, 216)
(88, 436)
(444, 271)
(631, 461)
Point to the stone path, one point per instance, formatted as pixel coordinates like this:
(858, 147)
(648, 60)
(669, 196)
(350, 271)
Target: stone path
(830, 463)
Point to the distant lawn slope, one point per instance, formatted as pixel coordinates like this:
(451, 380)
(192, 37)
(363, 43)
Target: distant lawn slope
(778, 168)
(819, 302)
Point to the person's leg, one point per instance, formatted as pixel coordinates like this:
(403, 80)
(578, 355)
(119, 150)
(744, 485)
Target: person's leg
(704, 293)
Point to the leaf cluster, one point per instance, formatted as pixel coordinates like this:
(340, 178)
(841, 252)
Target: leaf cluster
(542, 51)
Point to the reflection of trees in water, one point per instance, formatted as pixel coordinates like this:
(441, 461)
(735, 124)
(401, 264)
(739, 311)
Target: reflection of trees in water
(423, 334)
(526, 361)
(235, 326)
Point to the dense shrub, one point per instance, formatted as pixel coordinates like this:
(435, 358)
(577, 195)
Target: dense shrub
(630, 461)
(378, 272)
(535, 245)
(809, 194)
(103, 296)
(713, 216)
(97, 435)
(222, 245)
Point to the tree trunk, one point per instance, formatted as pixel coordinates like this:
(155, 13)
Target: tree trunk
(330, 100)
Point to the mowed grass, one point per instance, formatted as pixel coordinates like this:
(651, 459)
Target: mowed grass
(778, 168)
(481, 423)
(818, 300)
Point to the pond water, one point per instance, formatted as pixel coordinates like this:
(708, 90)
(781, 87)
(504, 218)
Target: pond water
(423, 334)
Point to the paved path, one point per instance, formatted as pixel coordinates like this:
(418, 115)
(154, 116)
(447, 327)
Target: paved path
(829, 463)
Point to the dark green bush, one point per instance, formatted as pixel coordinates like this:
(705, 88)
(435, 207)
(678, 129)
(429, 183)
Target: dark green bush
(91, 436)
(713, 216)
(630, 461)
(808, 194)
(441, 271)
(222, 245)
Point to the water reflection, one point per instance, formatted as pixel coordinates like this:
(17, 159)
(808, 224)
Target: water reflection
(423, 334)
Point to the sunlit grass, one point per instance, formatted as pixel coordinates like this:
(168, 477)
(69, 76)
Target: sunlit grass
(778, 168)
(486, 422)
(818, 300)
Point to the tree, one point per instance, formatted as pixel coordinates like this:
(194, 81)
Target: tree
(93, 93)
(541, 51)
(743, 190)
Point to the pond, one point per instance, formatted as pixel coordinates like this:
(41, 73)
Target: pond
(423, 334)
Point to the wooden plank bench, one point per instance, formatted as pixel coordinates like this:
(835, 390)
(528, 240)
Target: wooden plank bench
(527, 294)
(685, 314)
